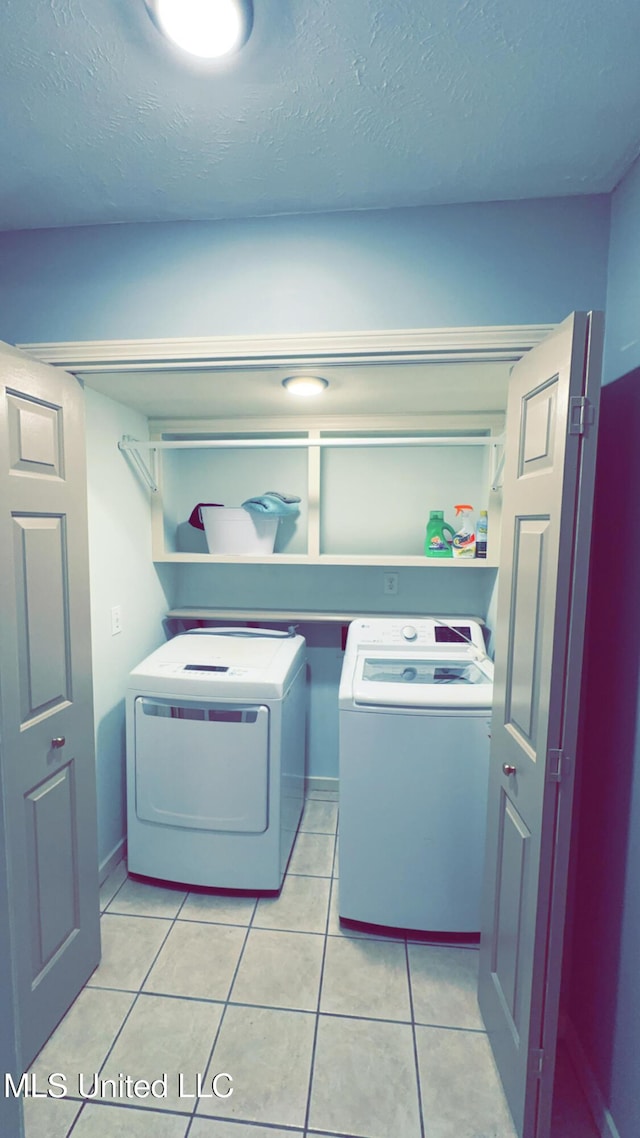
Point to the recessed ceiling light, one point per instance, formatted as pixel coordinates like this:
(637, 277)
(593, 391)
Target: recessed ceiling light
(306, 385)
(207, 28)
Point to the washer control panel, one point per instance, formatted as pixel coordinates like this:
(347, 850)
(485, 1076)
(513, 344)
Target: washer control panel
(442, 633)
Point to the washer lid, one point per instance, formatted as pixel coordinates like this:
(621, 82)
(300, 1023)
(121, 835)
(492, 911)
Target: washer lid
(422, 681)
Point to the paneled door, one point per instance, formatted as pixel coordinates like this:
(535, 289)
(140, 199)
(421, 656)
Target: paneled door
(548, 491)
(47, 744)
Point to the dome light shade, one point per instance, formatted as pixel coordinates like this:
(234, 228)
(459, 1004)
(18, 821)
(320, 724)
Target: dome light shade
(206, 28)
(305, 385)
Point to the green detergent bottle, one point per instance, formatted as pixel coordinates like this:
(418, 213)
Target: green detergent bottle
(436, 544)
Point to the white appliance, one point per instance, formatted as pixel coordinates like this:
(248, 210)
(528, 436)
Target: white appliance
(415, 701)
(216, 758)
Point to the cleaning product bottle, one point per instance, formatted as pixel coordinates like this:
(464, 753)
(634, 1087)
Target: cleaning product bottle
(436, 544)
(464, 540)
(481, 534)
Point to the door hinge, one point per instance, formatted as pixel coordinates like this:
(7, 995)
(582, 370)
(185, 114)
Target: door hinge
(554, 765)
(581, 414)
(536, 1059)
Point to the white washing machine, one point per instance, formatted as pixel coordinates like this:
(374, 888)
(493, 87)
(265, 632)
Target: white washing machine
(216, 758)
(415, 702)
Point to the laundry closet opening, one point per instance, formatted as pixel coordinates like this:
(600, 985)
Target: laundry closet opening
(363, 509)
(357, 545)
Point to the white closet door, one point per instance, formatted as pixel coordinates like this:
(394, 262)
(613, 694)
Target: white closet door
(546, 530)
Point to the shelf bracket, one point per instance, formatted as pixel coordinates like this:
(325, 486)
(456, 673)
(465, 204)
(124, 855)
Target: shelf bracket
(498, 465)
(129, 445)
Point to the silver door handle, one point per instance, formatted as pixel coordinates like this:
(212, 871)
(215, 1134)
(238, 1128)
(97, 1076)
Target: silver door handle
(59, 742)
(508, 768)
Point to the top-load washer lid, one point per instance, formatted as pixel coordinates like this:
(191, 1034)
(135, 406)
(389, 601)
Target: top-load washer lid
(214, 665)
(423, 681)
(413, 671)
(427, 662)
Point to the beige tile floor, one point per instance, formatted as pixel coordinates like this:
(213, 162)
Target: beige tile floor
(324, 1032)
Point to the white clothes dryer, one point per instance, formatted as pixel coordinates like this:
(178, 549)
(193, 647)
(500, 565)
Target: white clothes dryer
(414, 724)
(216, 758)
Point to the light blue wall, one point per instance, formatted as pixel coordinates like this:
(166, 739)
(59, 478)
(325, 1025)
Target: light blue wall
(122, 573)
(605, 993)
(622, 340)
(451, 591)
(492, 263)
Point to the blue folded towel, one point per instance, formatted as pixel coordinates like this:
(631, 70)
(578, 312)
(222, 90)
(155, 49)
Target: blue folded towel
(278, 505)
(283, 497)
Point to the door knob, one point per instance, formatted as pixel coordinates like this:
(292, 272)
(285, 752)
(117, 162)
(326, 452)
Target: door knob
(59, 742)
(508, 768)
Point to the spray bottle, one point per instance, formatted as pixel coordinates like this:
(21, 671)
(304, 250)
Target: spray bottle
(464, 541)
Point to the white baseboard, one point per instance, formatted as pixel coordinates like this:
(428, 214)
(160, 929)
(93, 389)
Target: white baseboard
(588, 1082)
(109, 863)
(318, 783)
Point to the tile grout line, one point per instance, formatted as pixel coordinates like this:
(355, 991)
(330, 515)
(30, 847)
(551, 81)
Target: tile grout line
(353, 934)
(222, 1017)
(114, 895)
(109, 1105)
(178, 1114)
(73, 1124)
(290, 1008)
(229, 1002)
(136, 997)
(415, 1041)
(317, 1017)
(112, 898)
(171, 923)
(312, 876)
(133, 1002)
(266, 1126)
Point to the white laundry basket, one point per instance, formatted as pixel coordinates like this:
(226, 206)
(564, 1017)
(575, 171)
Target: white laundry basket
(230, 529)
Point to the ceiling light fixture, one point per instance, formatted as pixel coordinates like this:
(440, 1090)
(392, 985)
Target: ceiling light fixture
(305, 385)
(207, 28)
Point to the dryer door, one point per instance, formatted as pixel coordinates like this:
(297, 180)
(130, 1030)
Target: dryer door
(204, 766)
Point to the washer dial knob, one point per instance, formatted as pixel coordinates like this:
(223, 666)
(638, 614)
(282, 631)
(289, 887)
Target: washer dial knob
(409, 632)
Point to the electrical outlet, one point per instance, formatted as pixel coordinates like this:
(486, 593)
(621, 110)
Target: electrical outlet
(116, 620)
(390, 586)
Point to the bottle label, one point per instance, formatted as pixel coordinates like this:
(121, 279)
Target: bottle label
(463, 540)
(437, 543)
(464, 545)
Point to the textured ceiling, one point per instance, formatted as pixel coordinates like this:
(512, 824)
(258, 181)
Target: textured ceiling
(373, 389)
(333, 104)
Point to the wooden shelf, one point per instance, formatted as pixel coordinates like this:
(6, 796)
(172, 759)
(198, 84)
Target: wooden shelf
(283, 616)
(382, 560)
(319, 490)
